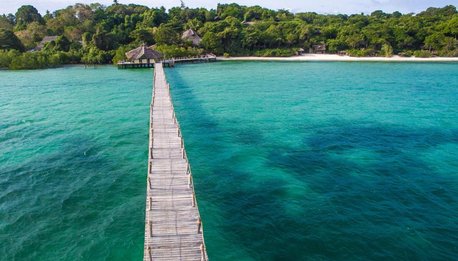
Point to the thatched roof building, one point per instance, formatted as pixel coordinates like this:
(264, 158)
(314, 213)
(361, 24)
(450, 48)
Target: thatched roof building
(248, 23)
(191, 36)
(46, 39)
(319, 49)
(143, 52)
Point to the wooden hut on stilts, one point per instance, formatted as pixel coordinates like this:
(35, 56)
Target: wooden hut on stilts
(141, 57)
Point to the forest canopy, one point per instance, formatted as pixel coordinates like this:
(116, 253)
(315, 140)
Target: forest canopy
(97, 34)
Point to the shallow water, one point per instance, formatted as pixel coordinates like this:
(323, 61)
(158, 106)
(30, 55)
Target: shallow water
(73, 150)
(292, 161)
(323, 161)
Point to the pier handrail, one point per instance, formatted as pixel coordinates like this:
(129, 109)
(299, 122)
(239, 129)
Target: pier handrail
(189, 172)
(169, 139)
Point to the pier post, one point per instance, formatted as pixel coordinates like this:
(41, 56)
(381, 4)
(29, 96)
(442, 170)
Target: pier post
(151, 228)
(169, 171)
(199, 226)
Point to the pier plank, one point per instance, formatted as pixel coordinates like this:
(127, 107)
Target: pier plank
(173, 230)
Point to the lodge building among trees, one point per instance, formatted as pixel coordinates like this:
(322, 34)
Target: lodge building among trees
(141, 57)
(97, 34)
(191, 36)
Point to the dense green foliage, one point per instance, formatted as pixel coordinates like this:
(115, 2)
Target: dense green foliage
(8, 40)
(97, 34)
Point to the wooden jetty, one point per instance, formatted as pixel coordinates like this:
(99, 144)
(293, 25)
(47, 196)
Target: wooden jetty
(199, 59)
(149, 63)
(173, 228)
(144, 63)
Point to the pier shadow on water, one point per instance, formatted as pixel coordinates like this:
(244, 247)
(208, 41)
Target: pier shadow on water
(350, 191)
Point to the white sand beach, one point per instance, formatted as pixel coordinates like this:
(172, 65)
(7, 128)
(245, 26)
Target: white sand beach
(340, 58)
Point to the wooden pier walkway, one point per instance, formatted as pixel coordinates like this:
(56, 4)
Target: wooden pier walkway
(149, 63)
(173, 228)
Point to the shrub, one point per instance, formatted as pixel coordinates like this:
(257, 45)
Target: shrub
(275, 53)
(175, 51)
(7, 56)
(422, 54)
(361, 52)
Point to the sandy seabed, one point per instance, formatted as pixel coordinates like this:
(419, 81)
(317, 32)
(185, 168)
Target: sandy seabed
(340, 58)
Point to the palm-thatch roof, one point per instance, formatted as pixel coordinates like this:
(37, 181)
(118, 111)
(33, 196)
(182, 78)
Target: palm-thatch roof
(319, 47)
(192, 36)
(46, 39)
(143, 52)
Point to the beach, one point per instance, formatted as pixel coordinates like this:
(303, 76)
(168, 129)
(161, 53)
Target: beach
(341, 58)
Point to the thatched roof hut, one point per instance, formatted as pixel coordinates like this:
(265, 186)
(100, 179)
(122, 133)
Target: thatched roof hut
(191, 36)
(248, 23)
(319, 48)
(46, 39)
(143, 52)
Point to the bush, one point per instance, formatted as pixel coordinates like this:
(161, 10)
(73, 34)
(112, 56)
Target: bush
(175, 51)
(407, 53)
(8, 40)
(7, 56)
(227, 55)
(275, 53)
(387, 50)
(422, 54)
(451, 53)
(93, 55)
(120, 53)
(16, 60)
(31, 60)
(361, 52)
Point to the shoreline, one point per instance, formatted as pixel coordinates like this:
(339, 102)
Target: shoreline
(339, 58)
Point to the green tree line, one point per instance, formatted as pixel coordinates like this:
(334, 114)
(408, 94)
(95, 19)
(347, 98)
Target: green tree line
(97, 34)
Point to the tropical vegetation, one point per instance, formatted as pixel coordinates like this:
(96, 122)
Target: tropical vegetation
(97, 34)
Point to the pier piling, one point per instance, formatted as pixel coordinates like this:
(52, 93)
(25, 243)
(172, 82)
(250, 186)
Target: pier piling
(171, 206)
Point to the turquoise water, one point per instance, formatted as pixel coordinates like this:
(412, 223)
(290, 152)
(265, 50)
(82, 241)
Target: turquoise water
(323, 161)
(292, 161)
(73, 144)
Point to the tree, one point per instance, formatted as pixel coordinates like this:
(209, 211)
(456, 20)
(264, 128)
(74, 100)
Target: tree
(5, 23)
(36, 30)
(336, 45)
(142, 35)
(387, 50)
(165, 34)
(154, 17)
(103, 40)
(194, 24)
(226, 10)
(231, 28)
(212, 43)
(60, 44)
(451, 27)
(48, 16)
(27, 14)
(96, 56)
(8, 40)
(435, 41)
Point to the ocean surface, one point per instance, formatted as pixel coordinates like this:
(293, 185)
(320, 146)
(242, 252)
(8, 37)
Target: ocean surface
(291, 161)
